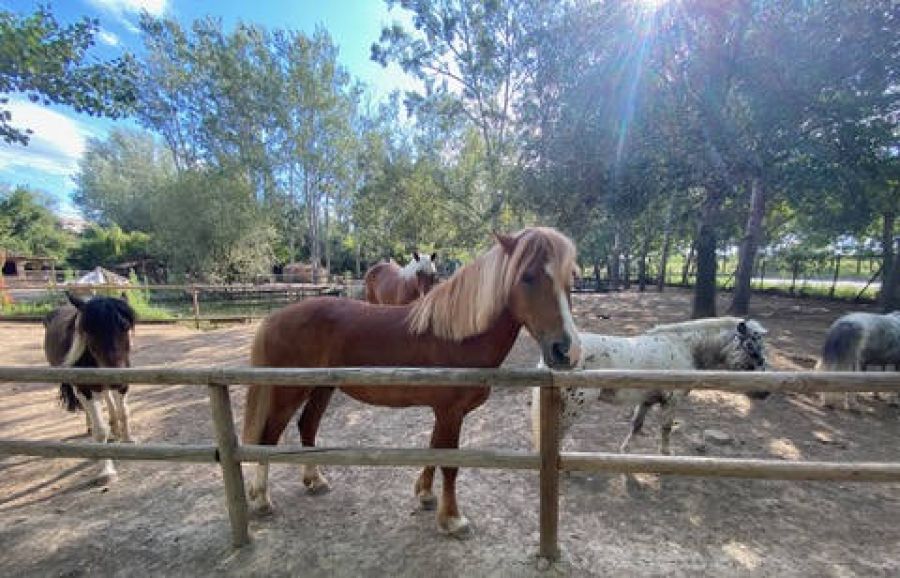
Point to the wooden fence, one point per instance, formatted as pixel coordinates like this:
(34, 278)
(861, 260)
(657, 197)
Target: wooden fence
(549, 461)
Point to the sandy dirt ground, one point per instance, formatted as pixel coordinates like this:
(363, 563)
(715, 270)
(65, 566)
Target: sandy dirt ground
(170, 519)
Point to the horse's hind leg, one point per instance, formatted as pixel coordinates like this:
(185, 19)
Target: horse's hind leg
(446, 435)
(637, 423)
(99, 430)
(123, 416)
(282, 406)
(308, 424)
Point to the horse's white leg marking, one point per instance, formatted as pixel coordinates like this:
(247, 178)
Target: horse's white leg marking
(258, 490)
(100, 432)
(113, 412)
(313, 479)
(123, 418)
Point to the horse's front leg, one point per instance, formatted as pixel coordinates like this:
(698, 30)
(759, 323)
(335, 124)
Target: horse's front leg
(113, 414)
(666, 423)
(308, 424)
(123, 416)
(99, 430)
(446, 435)
(636, 424)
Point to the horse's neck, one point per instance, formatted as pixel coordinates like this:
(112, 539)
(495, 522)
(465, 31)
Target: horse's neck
(490, 348)
(707, 348)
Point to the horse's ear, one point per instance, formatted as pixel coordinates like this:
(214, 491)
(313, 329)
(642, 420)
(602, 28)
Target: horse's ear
(742, 327)
(508, 242)
(416, 255)
(434, 257)
(76, 301)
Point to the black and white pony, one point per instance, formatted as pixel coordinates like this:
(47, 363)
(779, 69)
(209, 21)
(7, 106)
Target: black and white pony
(93, 333)
(855, 341)
(725, 343)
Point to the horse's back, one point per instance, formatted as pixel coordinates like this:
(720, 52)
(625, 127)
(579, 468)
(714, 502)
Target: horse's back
(862, 338)
(379, 280)
(639, 352)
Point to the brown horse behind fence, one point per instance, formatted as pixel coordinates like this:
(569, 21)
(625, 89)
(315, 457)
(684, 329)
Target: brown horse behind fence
(390, 284)
(471, 320)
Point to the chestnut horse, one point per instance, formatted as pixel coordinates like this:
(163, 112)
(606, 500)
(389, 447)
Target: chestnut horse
(389, 284)
(471, 320)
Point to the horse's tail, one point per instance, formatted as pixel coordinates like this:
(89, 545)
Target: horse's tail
(256, 409)
(841, 348)
(67, 397)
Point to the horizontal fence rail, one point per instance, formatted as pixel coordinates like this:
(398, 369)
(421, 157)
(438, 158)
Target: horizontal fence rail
(229, 453)
(736, 381)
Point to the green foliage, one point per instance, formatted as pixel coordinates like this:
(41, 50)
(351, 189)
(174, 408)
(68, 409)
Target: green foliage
(46, 62)
(118, 177)
(208, 226)
(29, 227)
(108, 246)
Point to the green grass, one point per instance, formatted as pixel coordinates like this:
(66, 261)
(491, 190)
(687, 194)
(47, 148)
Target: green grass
(40, 308)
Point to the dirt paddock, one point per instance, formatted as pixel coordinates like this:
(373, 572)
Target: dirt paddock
(170, 519)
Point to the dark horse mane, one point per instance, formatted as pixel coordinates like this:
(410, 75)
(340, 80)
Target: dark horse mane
(100, 317)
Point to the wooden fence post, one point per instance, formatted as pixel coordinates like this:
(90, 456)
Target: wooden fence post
(549, 508)
(195, 297)
(226, 438)
(837, 272)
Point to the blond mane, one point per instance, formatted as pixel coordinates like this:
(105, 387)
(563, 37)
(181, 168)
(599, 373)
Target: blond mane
(472, 299)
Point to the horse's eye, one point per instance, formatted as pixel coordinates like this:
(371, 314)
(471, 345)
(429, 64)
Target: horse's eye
(527, 278)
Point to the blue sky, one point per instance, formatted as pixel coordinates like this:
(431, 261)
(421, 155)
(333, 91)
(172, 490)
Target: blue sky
(51, 159)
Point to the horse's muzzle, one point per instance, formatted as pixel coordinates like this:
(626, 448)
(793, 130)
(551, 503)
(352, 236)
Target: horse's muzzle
(561, 353)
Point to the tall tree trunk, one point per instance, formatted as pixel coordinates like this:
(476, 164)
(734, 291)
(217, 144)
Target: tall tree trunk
(642, 264)
(325, 237)
(890, 268)
(740, 300)
(686, 270)
(705, 288)
(614, 263)
(666, 247)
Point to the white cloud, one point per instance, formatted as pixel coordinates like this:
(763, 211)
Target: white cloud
(121, 7)
(55, 146)
(107, 37)
(121, 10)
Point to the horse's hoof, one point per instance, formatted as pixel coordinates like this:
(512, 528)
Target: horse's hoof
(456, 527)
(106, 478)
(427, 501)
(316, 486)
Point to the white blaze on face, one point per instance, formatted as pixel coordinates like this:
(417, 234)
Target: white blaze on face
(565, 313)
(423, 264)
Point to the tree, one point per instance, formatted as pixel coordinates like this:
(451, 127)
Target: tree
(119, 176)
(46, 62)
(108, 247)
(29, 227)
(208, 226)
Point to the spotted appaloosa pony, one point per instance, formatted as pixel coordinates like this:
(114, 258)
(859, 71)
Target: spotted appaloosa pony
(389, 284)
(726, 343)
(855, 341)
(94, 333)
(470, 320)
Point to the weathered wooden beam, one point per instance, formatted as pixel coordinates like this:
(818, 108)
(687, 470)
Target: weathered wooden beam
(549, 475)
(805, 382)
(731, 467)
(115, 451)
(414, 457)
(233, 478)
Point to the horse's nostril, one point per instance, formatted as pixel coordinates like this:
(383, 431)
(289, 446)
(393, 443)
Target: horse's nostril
(560, 350)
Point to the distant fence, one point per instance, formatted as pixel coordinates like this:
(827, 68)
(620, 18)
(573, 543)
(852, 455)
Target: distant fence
(549, 461)
(204, 302)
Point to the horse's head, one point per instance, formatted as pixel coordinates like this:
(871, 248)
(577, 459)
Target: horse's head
(103, 329)
(425, 271)
(540, 272)
(748, 350)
